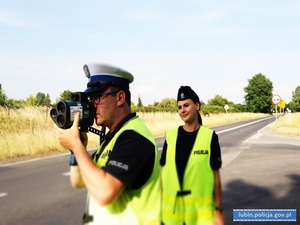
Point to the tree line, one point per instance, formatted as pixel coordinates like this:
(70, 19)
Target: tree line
(257, 99)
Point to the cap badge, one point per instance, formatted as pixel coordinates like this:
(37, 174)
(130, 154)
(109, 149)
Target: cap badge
(86, 71)
(182, 95)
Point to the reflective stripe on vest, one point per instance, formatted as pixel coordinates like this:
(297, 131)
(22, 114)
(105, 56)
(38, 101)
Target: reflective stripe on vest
(194, 204)
(140, 206)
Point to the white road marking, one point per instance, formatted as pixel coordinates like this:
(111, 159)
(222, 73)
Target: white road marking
(3, 194)
(37, 159)
(247, 124)
(32, 160)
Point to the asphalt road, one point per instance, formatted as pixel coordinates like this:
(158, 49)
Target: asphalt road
(260, 170)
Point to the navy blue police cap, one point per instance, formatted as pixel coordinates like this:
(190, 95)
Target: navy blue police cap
(186, 92)
(102, 76)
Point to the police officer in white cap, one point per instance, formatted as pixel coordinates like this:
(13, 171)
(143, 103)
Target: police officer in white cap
(122, 177)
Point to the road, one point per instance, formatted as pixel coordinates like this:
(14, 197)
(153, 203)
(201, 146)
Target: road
(260, 170)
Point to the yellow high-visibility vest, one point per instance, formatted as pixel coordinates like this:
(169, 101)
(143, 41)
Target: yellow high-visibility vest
(132, 207)
(194, 203)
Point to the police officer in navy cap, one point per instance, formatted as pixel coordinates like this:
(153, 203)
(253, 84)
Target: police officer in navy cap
(122, 176)
(186, 92)
(190, 161)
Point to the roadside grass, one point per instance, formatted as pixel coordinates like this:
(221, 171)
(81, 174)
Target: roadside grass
(289, 124)
(29, 132)
(159, 122)
(26, 132)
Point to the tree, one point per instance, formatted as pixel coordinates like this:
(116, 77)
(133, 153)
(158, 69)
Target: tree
(17, 103)
(140, 104)
(66, 95)
(168, 104)
(32, 101)
(218, 100)
(133, 106)
(258, 96)
(41, 99)
(295, 104)
(3, 98)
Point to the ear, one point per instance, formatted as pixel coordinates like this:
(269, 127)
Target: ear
(198, 106)
(121, 96)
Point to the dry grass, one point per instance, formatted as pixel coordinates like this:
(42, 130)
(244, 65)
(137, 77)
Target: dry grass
(161, 121)
(30, 132)
(288, 124)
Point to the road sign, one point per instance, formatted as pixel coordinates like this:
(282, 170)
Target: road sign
(281, 104)
(276, 99)
(226, 107)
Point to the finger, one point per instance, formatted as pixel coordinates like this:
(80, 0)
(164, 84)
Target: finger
(76, 119)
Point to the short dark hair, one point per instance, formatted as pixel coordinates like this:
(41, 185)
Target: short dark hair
(127, 93)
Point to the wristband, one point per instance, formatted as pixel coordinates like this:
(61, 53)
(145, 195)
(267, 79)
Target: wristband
(73, 161)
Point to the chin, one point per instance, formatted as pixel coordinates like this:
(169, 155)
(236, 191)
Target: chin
(97, 121)
(184, 119)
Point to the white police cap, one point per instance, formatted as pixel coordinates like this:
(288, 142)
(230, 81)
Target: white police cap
(103, 75)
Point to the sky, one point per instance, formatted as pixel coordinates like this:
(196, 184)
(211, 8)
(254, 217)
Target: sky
(213, 46)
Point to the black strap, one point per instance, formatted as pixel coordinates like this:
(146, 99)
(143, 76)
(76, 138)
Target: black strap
(183, 193)
(87, 218)
(94, 130)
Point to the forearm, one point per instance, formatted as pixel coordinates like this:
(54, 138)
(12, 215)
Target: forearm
(100, 184)
(75, 177)
(217, 189)
(219, 218)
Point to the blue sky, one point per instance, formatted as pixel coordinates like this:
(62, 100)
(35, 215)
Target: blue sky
(213, 46)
